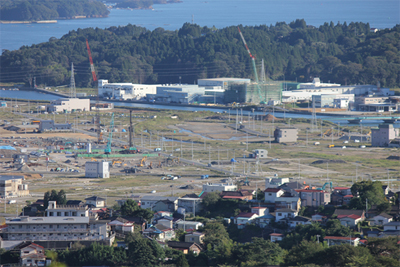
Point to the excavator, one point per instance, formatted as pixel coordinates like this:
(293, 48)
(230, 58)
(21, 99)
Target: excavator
(142, 161)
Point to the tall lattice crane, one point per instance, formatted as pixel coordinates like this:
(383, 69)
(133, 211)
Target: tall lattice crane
(253, 60)
(108, 149)
(99, 133)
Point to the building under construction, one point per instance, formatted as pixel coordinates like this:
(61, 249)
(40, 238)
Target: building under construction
(253, 93)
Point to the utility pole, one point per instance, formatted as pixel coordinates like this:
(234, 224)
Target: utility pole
(192, 150)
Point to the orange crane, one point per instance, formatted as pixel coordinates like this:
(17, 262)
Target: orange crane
(99, 134)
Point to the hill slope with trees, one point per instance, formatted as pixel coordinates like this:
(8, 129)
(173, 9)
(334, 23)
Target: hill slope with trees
(34, 10)
(341, 53)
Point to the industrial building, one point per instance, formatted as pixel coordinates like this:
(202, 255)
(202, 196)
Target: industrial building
(223, 83)
(178, 93)
(285, 134)
(12, 186)
(97, 169)
(377, 103)
(270, 91)
(333, 100)
(69, 105)
(382, 135)
(49, 125)
(123, 91)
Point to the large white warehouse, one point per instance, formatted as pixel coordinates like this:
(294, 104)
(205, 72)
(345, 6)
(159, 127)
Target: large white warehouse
(125, 91)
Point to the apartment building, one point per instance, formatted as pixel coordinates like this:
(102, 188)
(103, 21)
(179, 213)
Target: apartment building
(12, 186)
(63, 223)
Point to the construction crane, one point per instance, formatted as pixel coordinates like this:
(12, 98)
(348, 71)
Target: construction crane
(99, 133)
(108, 149)
(253, 60)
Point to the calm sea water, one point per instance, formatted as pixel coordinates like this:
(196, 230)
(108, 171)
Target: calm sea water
(218, 13)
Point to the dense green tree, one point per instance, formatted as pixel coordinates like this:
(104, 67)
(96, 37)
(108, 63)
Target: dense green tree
(304, 253)
(385, 250)
(259, 252)
(369, 190)
(129, 207)
(52, 195)
(143, 251)
(217, 241)
(345, 255)
(134, 54)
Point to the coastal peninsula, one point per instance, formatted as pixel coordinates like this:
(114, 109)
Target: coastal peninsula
(46, 10)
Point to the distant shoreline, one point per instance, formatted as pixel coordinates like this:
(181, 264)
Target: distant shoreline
(48, 21)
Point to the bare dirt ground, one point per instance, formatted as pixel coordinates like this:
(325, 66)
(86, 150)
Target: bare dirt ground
(211, 130)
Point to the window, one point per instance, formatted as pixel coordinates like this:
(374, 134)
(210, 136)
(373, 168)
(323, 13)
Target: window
(58, 213)
(51, 213)
(279, 214)
(50, 226)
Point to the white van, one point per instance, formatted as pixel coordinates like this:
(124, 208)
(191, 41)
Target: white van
(13, 201)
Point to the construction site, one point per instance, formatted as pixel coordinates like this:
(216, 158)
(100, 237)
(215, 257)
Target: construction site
(170, 152)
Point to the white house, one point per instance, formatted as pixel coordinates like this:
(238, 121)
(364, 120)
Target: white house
(260, 211)
(271, 194)
(244, 218)
(276, 237)
(95, 201)
(159, 203)
(350, 220)
(69, 104)
(340, 240)
(285, 214)
(293, 222)
(189, 225)
(32, 254)
(380, 219)
(210, 187)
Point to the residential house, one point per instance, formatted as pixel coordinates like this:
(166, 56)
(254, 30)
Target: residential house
(313, 197)
(185, 225)
(244, 218)
(340, 240)
(288, 202)
(31, 254)
(159, 203)
(166, 221)
(391, 226)
(210, 187)
(293, 222)
(380, 219)
(339, 212)
(350, 220)
(285, 214)
(260, 211)
(97, 202)
(160, 214)
(338, 193)
(185, 247)
(271, 194)
(276, 237)
(347, 199)
(121, 225)
(195, 237)
(264, 220)
(242, 195)
(190, 205)
(75, 203)
(319, 218)
(158, 234)
(273, 182)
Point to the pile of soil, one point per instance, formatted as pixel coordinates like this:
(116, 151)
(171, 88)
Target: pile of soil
(270, 117)
(393, 157)
(322, 161)
(216, 118)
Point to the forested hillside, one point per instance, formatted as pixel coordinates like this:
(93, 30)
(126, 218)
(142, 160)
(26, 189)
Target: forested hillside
(342, 53)
(33, 10)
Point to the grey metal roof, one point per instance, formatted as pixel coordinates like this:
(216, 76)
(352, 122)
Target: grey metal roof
(158, 198)
(46, 220)
(11, 177)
